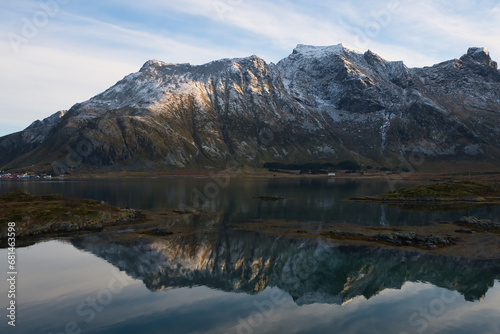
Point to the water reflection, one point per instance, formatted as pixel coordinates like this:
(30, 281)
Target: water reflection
(309, 272)
(224, 283)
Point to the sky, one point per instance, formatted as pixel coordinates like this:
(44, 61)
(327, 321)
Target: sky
(55, 53)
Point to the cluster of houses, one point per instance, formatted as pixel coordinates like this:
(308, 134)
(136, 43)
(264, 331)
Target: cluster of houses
(23, 176)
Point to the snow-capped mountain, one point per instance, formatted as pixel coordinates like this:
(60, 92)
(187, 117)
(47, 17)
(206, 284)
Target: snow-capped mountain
(318, 104)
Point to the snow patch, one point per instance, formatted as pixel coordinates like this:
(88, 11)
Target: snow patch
(322, 51)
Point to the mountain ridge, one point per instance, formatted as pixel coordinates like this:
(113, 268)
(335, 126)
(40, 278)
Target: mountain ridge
(318, 104)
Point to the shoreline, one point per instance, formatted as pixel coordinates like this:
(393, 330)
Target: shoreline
(484, 175)
(472, 241)
(395, 178)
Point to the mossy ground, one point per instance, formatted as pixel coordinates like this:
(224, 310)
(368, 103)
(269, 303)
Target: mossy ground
(29, 210)
(448, 190)
(444, 196)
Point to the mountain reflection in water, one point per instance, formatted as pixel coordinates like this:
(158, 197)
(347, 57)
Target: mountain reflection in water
(309, 272)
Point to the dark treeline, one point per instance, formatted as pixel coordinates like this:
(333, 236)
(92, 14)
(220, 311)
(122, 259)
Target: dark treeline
(344, 165)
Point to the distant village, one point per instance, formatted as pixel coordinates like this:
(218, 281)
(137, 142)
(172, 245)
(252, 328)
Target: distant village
(24, 176)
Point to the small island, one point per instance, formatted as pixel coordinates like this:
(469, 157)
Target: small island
(444, 194)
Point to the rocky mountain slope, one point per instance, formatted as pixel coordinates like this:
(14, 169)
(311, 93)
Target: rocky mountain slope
(318, 104)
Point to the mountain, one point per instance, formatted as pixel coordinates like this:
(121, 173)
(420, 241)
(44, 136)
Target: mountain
(320, 104)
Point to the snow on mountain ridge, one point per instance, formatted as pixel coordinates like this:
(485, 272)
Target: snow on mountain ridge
(319, 103)
(157, 78)
(159, 81)
(322, 51)
(38, 130)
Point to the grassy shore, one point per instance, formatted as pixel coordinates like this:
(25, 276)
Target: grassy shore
(453, 194)
(51, 214)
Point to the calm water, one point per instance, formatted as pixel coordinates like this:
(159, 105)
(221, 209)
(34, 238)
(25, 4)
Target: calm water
(228, 282)
(307, 199)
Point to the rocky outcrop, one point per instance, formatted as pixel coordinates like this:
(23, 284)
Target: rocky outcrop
(415, 240)
(479, 224)
(318, 104)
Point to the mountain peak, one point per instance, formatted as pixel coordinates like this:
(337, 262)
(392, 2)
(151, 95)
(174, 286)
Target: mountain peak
(321, 51)
(373, 58)
(479, 55)
(474, 51)
(152, 63)
(245, 59)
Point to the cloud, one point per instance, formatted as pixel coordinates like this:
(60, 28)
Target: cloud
(443, 30)
(420, 33)
(51, 74)
(280, 24)
(42, 80)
